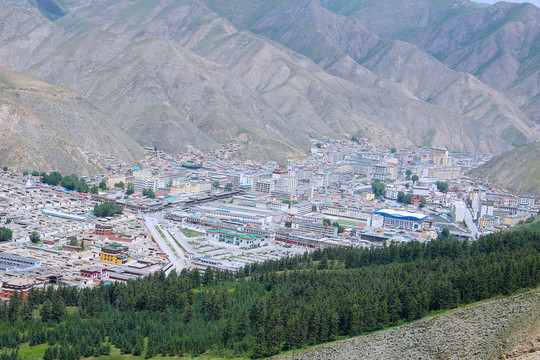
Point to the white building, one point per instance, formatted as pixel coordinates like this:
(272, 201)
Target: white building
(402, 219)
(457, 211)
(300, 208)
(486, 209)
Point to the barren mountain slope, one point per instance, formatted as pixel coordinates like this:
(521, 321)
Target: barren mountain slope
(303, 95)
(173, 73)
(306, 27)
(193, 26)
(47, 127)
(499, 44)
(517, 170)
(482, 331)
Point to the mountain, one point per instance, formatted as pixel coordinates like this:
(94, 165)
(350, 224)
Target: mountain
(183, 25)
(47, 127)
(499, 44)
(267, 75)
(314, 31)
(517, 170)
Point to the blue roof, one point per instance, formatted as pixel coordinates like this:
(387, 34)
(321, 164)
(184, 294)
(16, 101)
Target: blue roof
(405, 215)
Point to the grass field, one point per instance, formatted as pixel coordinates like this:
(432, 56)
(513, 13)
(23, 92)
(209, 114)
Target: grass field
(36, 352)
(347, 222)
(191, 233)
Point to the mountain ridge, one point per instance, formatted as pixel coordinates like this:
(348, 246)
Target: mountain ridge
(174, 74)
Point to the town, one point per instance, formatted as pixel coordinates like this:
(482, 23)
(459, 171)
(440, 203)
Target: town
(196, 210)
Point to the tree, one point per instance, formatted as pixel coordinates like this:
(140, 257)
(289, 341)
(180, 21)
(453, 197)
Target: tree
(444, 234)
(414, 178)
(404, 198)
(393, 150)
(149, 193)
(288, 223)
(25, 172)
(34, 237)
(408, 199)
(229, 186)
(5, 234)
(107, 209)
(208, 276)
(94, 190)
(313, 208)
(423, 203)
(408, 174)
(378, 188)
(119, 185)
(58, 309)
(34, 173)
(52, 179)
(442, 186)
(45, 311)
(130, 189)
(5, 168)
(215, 184)
(103, 185)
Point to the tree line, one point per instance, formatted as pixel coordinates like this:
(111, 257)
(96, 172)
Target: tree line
(275, 305)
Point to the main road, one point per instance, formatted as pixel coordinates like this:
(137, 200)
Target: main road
(167, 244)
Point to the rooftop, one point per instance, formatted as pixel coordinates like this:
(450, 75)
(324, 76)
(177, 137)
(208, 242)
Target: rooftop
(399, 214)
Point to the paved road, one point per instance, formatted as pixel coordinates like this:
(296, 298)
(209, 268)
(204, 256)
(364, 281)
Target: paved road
(470, 223)
(167, 245)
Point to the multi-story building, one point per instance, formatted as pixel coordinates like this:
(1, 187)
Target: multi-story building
(314, 227)
(477, 196)
(445, 172)
(264, 186)
(381, 172)
(441, 160)
(345, 211)
(402, 219)
(437, 151)
(141, 183)
(527, 200)
(486, 209)
(115, 253)
(103, 229)
(486, 221)
(16, 285)
(300, 208)
(392, 192)
(457, 211)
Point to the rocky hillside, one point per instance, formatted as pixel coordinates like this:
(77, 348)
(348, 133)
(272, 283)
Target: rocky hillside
(269, 75)
(43, 126)
(499, 44)
(517, 170)
(506, 328)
